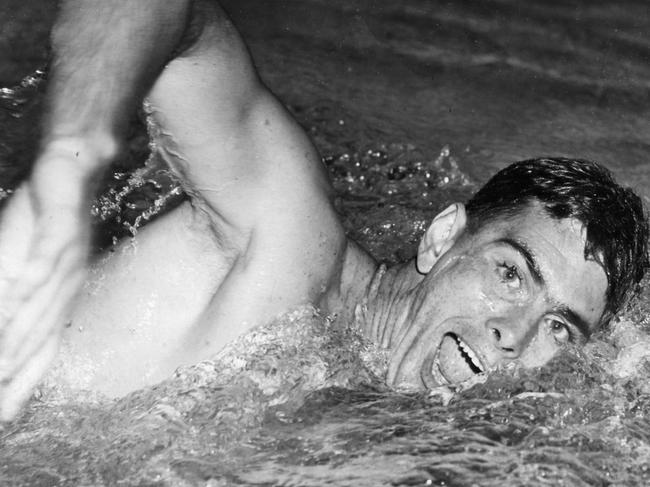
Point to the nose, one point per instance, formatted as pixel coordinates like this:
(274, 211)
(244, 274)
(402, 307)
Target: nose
(510, 335)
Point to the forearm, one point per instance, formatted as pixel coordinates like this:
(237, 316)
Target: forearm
(106, 55)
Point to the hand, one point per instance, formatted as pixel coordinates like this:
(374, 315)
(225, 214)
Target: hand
(44, 245)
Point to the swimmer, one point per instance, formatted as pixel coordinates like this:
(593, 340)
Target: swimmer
(541, 257)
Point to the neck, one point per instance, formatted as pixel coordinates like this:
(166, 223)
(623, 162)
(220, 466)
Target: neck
(376, 298)
(385, 311)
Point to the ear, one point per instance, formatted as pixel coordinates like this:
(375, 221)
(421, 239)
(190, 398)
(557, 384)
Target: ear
(441, 235)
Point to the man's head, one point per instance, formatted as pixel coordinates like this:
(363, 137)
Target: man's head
(613, 217)
(541, 256)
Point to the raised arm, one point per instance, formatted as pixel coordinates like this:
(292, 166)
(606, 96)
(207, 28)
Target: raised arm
(106, 55)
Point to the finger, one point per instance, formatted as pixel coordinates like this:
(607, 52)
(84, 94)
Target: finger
(32, 363)
(39, 316)
(17, 391)
(44, 257)
(39, 270)
(31, 316)
(53, 319)
(47, 251)
(17, 223)
(16, 234)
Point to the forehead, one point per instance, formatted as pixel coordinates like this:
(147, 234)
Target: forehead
(558, 247)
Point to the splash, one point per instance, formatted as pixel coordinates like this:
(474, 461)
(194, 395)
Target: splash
(15, 100)
(215, 407)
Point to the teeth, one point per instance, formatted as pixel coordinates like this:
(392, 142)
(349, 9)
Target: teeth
(470, 354)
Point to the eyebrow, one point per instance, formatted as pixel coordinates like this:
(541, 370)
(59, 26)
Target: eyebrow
(577, 321)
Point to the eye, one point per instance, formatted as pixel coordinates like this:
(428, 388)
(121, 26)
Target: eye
(560, 330)
(509, 275)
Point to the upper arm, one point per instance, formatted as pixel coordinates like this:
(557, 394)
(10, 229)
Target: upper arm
(227, 135)
(244, 156)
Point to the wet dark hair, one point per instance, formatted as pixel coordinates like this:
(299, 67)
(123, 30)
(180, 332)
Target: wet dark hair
(617, 228)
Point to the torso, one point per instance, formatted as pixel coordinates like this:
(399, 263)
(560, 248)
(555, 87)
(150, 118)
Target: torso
(139, 302)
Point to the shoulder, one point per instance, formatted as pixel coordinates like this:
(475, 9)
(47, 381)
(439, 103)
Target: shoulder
(244, 156)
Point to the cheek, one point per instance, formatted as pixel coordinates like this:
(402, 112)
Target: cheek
(466, 275)
(416, 348)
(540, 350)
(474, 286)
(476, 295)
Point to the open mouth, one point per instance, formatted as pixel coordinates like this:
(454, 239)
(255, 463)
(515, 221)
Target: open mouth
(455, 361)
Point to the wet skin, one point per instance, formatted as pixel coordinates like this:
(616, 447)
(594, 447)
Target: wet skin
(261, 234)
(517, 290)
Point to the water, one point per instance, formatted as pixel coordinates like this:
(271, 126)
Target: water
(412, 105)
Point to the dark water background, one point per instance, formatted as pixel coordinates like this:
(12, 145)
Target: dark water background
(412, 104)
